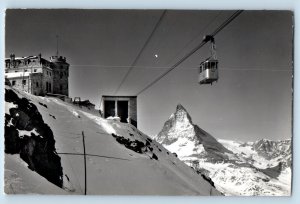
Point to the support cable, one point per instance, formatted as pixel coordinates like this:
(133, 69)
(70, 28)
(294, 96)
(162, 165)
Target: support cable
(203, 30)
(141, 51)
(222, 26)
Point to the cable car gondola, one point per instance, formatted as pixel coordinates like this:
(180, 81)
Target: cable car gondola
(208, 70)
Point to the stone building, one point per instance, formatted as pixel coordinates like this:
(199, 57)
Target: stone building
(37, 75)
(124, 107)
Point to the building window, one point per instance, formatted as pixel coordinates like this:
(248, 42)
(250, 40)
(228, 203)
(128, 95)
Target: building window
(13, 82)
(37, 84)
(24, 81)
(34, 70)
(47, 73)
(25, 70)
(50, 73)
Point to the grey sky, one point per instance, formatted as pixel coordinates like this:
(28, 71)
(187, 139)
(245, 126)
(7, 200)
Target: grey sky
(251, 100)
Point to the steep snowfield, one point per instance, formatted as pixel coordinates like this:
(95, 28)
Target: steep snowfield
(236, 168)
(21, 180)
(121, 160)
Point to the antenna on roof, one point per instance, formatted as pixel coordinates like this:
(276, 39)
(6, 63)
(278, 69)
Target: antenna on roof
(56, 45)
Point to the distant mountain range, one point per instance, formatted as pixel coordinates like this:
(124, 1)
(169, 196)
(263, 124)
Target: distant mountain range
(236, 168)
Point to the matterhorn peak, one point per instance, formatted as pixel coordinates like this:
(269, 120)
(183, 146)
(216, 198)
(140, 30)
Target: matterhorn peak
(229, 163)
(180, 107)
(178, 125)
(181, 115)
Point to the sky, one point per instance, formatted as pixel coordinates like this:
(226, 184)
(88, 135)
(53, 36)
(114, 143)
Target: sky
(251, 100)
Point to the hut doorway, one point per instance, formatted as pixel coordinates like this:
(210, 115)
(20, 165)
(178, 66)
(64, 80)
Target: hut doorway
(123, 110)
(109, 108)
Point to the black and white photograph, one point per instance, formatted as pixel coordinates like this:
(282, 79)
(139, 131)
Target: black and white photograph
(148, 102)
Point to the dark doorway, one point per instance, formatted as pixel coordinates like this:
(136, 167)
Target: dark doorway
(109, 107)
(123, 110)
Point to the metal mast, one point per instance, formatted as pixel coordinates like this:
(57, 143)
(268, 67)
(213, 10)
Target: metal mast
(56, 45)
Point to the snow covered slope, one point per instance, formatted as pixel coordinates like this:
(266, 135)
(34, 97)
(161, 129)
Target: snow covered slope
(252, 168)
(120, 159)
(19, 179)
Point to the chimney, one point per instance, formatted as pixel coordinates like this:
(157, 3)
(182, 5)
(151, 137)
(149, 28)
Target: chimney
(12, 57)
(39, 58)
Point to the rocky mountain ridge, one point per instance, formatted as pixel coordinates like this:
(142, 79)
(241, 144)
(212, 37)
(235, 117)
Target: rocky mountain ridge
(236, 168)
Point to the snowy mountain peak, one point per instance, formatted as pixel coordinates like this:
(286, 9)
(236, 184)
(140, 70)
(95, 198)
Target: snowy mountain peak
(178, 125)
(179, 132)
(180, 107)
(274, 149)
(251, 168)
(182, 116)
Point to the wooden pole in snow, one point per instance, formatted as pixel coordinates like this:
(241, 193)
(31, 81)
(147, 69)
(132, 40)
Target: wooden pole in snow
(84, 156)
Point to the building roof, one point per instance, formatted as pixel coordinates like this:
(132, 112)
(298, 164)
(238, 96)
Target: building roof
(112, 96)
(53, 59)
(22, 58)
(17, 74)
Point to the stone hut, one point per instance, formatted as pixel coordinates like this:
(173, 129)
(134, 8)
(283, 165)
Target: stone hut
(124, 107)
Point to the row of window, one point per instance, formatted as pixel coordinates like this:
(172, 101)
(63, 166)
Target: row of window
(48, 85)
(61, 74)
(49, 73)
(35, 70)
(208, 65)
(18, 63)
(24, 81)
